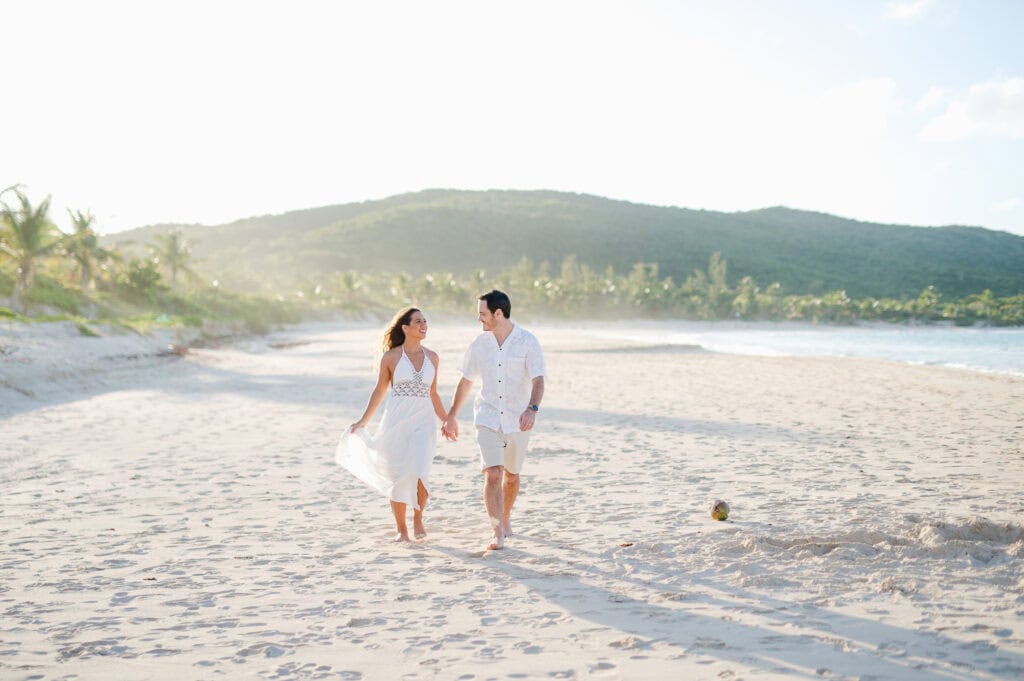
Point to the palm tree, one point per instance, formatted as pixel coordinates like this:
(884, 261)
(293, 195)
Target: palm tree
(83, 246)
(31, 235)
(174, 252)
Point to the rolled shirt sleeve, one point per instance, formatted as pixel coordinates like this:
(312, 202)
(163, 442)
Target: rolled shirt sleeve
(535, 360)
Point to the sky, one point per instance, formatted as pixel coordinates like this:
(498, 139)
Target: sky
(902, 111)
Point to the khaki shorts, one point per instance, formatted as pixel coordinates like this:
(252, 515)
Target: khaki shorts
(502, 449)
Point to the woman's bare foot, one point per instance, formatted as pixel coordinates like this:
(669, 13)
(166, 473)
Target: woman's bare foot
(506, 529)
(401, 536)
(497, 541)
(419, 531)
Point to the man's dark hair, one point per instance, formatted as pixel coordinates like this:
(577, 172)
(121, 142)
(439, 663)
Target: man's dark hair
(496, 300)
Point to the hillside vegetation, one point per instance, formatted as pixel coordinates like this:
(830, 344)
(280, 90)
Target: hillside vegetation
(461, 232)
(562, 254)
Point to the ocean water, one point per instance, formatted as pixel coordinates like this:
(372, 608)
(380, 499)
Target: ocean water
(997, 350)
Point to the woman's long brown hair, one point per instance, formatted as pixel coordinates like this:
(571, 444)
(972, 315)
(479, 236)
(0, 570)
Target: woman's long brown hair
(395, 336)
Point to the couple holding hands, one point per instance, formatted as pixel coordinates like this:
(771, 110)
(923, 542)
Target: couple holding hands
(507, 361)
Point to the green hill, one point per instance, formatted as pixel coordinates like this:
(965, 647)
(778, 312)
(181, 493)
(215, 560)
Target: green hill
(463, 231)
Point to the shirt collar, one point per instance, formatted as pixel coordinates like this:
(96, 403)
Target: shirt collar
(513, 332)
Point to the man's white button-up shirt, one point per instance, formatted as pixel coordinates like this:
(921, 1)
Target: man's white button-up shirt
(507, 372)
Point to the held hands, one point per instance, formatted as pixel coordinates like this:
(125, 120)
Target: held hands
(450, 428)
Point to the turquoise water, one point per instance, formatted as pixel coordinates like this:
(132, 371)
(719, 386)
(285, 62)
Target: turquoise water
(998, 350)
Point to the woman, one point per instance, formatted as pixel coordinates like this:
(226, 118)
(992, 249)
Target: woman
(396, 461)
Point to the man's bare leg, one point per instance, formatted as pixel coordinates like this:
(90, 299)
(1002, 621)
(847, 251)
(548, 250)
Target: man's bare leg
(494, 503)
(398, 508)
(510, 490)
(419, 531)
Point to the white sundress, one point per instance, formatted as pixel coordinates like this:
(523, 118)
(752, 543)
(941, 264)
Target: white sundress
(402, 450)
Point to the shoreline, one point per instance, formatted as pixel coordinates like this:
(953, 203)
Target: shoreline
(49, 353)
(916, 345)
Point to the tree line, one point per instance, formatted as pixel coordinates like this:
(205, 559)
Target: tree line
(80, 273)
(43, 266)
(576, 291)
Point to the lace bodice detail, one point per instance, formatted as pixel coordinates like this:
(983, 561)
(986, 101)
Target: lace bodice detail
(407, 382)
(414, 387)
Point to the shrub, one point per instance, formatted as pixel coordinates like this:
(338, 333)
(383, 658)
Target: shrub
(46, 291)
(141, 281)
(7, 313)
(85, 330)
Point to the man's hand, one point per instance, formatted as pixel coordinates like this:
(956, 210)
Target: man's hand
(450, 429)
(527, 419)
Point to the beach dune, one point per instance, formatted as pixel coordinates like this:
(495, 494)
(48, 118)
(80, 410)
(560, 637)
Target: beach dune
(168, 516)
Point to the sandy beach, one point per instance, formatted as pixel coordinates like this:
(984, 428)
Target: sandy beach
(168, 516)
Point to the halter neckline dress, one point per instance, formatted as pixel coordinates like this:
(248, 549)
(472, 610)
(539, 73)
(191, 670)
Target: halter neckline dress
(401, 452)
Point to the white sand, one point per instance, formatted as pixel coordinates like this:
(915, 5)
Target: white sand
(182, 518)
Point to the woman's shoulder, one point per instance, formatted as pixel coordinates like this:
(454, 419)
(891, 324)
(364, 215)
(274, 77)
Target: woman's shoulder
(392, 356)
(433, 355)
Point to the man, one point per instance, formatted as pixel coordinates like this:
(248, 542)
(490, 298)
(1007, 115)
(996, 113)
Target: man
(508, 362)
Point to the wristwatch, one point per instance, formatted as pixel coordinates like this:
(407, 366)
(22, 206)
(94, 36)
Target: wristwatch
(534, 407)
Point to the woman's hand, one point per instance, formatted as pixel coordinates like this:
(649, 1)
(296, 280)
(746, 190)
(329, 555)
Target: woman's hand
(356, 426)
(450, 428)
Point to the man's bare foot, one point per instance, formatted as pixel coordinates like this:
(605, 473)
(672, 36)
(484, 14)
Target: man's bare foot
(497, 542)
(401, 536)
(506, 529)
